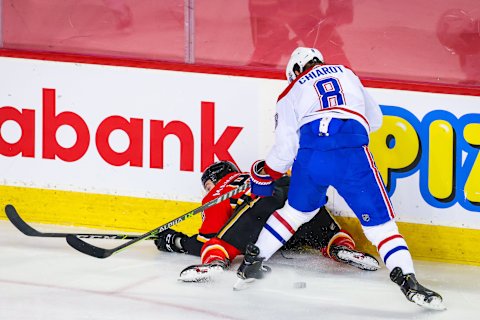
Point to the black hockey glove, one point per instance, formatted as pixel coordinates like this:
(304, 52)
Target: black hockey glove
(169, 241)
(280, 189)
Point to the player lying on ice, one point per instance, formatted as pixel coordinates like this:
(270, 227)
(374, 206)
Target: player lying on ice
(323, 121)
(229, 226)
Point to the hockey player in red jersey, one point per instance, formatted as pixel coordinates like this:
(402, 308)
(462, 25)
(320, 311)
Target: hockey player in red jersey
(229, 226)
(323, 122)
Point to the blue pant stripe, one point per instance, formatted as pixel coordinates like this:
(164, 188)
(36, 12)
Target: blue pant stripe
(275, 234)
(389, 253)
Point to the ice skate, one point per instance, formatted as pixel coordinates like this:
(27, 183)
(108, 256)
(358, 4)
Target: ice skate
(415, 292)
(354, 258)
(252, 268)
(202, 272)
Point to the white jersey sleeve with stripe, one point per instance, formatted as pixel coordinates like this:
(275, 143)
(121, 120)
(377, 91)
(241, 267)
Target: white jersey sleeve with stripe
(324, 91)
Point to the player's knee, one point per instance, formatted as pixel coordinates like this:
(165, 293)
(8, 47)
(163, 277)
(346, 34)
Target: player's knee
(295, 217)
(376, 234)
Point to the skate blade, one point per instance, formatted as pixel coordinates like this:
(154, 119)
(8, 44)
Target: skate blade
(199, 274)
(243, 284)
(435, 303)
(359, 260)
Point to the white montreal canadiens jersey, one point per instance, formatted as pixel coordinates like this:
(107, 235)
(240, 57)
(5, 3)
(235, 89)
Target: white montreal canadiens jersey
(324, 91)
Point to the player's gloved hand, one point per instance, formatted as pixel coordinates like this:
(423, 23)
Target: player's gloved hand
(261, 183)
(169, 241)
(281, 186)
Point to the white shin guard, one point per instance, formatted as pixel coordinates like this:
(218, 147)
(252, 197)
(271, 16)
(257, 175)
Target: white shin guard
(391, 246)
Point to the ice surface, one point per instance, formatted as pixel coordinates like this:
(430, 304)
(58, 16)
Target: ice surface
(44, 278)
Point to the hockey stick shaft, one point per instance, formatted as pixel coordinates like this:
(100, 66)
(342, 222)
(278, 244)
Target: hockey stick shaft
(98, 252)
(25, 228)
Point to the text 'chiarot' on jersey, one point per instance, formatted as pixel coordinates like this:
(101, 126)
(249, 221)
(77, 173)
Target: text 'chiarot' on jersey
(320, 71)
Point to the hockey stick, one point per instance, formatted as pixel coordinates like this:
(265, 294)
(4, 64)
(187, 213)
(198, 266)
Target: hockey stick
(28, 230)
(98, 252)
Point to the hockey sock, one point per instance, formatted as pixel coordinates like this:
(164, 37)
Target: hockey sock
(217, 249)
(391, 246)
(341, 238)
(394, 252)
(279, 228)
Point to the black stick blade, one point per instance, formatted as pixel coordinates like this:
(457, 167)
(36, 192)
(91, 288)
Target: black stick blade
(88, 248)
(18, 222)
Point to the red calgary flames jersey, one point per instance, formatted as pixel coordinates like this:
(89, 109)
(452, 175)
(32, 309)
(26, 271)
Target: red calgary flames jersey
(214, 218)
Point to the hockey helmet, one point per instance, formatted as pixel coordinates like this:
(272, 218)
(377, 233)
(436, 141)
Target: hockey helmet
(218, 170)
(300, 57)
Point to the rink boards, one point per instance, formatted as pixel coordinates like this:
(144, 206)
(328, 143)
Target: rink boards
(122, 147)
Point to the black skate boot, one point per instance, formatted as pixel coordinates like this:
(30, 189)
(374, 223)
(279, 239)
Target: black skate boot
(251, 268)
(203, 272)
(354, 258)
(415, 292)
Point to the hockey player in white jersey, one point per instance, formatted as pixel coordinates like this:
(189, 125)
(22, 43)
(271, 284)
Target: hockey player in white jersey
(323, 121)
